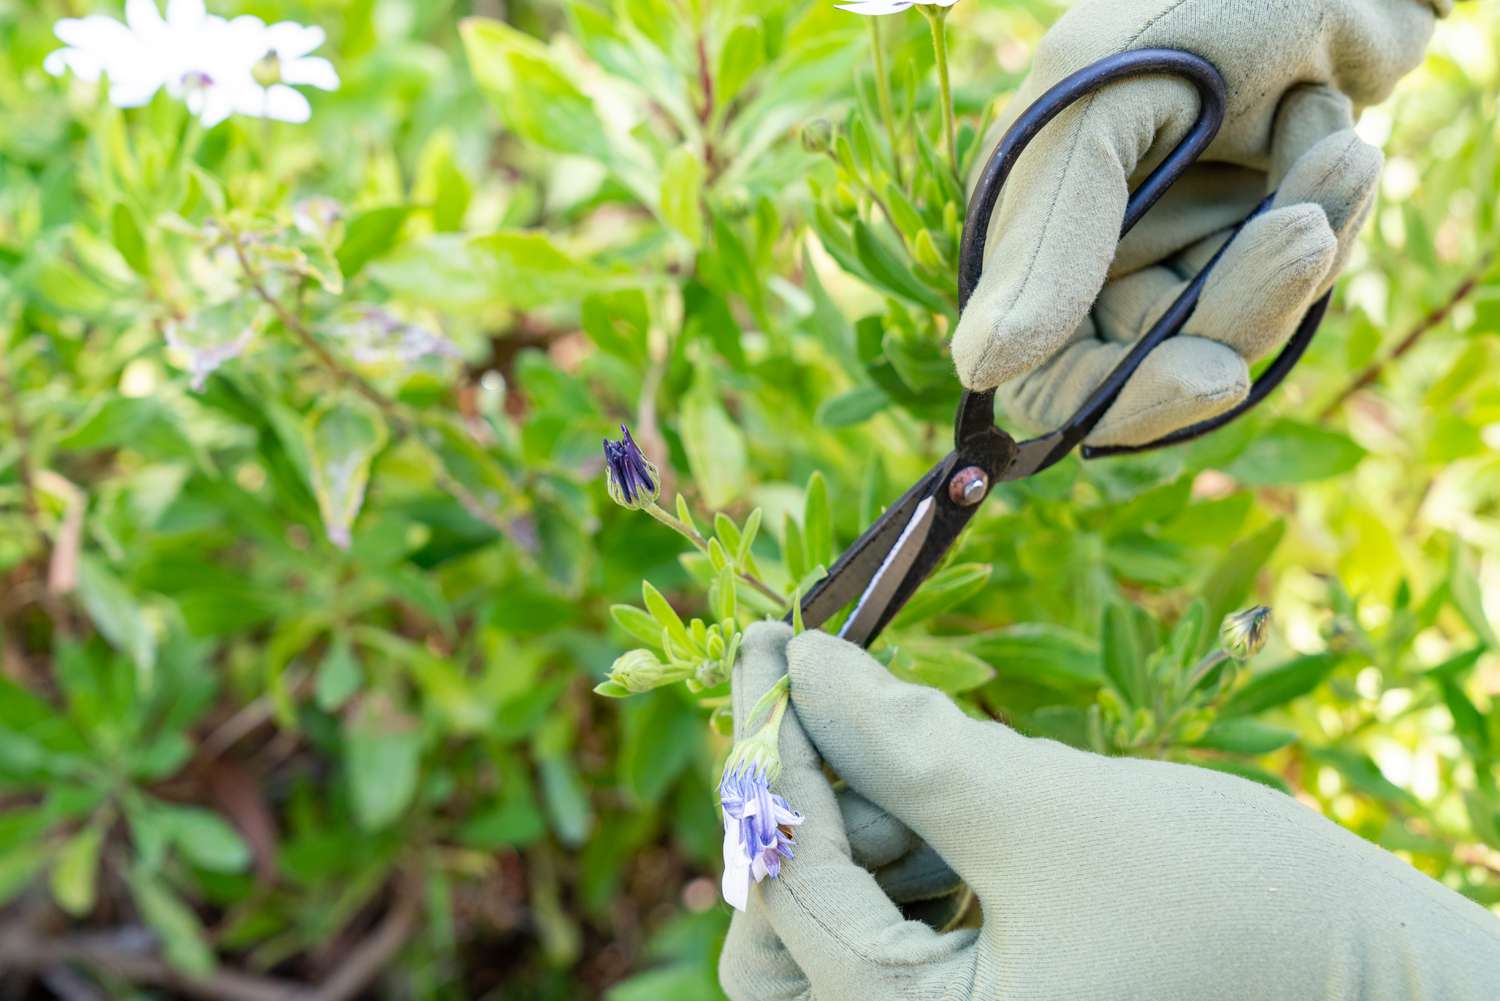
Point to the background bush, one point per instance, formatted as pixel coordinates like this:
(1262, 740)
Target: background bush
(296, 654)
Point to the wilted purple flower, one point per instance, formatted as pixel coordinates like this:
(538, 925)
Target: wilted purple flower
(757, 830)
(630, 477)
(1244, 633)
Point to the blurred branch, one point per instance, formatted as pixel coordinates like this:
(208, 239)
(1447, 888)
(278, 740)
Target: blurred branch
(1434, 319)
(50, 595)
(23, 950)
(392, 410)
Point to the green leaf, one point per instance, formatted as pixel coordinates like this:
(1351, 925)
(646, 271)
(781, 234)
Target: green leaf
(1120, 653)
(854, 407)
(1468, 595)
(890, 273)
(793, 551)
(941, 665)
(125, 229)
(382, 759)
(371, 234)
(641, 625)
(666, 617)
(74, 870)
(1042, 652)
(682, 193)
(566, 799)
(1361, 772)
(1245, 736)
(714, 444)
(817, 521)
(1231, 580)
(116, 613)
(946, 589)
(182, 937)
(339, 675)
(537, 99)
(205, 838)
(1288, 452)
(342, 440)
(520, 269)
(1281, 684)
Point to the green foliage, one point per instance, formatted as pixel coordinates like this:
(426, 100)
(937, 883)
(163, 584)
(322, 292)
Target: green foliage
(307, 568)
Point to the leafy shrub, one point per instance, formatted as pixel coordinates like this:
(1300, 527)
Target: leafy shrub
(307, 562)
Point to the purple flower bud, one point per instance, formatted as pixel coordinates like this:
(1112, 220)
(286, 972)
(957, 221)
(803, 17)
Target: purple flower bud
(631, 478)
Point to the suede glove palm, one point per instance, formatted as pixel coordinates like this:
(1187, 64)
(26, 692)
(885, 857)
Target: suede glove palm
(1059, 304)
(1098, 877)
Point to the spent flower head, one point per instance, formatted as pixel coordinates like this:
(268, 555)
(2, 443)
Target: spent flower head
(758, 827)
(631, 478)
(1244, 633)
(757, 822)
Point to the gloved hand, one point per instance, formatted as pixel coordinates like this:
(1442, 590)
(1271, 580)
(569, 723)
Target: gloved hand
(1297, 72)
(1098, 877)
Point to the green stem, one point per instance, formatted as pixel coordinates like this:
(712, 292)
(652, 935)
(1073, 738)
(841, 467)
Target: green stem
(883, 89)
(689, 533)
(935, 17)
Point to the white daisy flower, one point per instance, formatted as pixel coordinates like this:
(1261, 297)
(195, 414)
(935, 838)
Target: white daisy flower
(217, 67)
(260, 64)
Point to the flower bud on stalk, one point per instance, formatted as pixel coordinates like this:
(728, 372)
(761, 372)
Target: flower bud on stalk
(641, 671)
(1244, 633)
(632, 480)
(758, 823)
(817, 136)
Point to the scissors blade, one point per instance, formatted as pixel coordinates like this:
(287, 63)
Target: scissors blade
(851, 573)
(876, 599)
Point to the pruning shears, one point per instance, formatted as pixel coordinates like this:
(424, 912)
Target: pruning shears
(881, 570)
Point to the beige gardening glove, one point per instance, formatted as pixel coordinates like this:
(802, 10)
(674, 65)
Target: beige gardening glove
(1098, 879)
(1061, 297)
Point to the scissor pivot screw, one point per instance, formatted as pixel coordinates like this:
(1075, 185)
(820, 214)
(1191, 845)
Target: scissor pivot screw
(968, 486)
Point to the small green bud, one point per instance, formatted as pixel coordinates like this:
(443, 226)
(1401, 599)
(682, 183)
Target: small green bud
(1244, 633)
(267, 69)
(642, 670)
(817, 136)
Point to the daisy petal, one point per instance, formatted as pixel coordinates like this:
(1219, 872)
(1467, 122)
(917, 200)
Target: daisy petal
(292, 40)
(132, 91)
(312, 71)
(876, 7)
(96, 33)
(286, 105)
(185, 13)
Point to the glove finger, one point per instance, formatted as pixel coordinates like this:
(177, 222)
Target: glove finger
(1055, 232)
(906, 868)
(1258, 291)
(921, 874)
(755, 965)
(837, 924)
(876, 838)
(1185, 380)
(1340, 175)
(904, 747)
(1306, 116)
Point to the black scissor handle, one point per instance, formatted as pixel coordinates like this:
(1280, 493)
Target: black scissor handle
(976, 411)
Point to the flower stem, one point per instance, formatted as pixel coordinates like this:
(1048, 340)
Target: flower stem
(689, 533)
(935, 17)
(883, 89)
